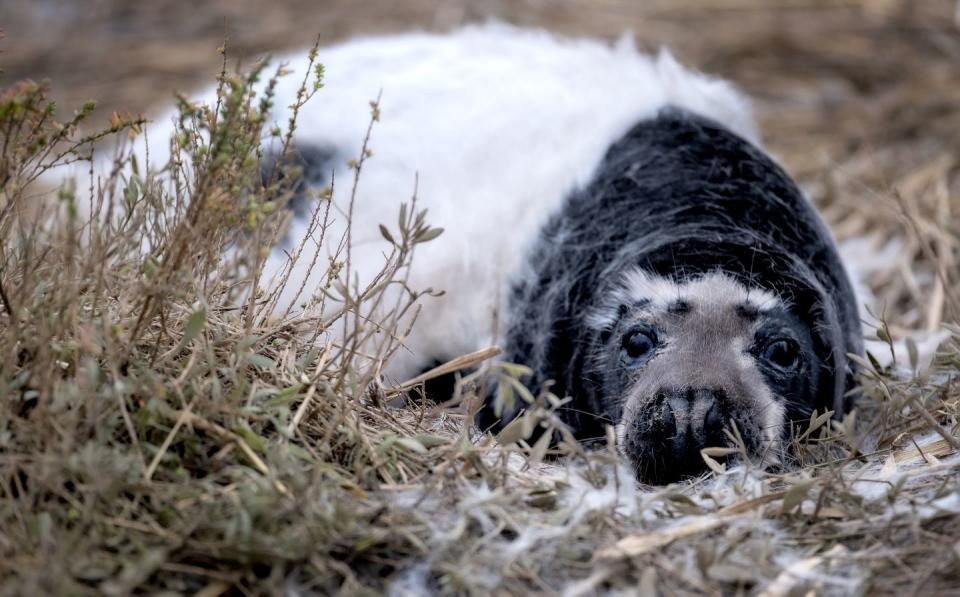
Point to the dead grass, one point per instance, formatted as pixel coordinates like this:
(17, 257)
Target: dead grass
(159, 432)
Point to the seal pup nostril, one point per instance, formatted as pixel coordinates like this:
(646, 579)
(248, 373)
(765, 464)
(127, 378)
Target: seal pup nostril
(677, 413)
(702, 404)
(709, 413)
(713, 422)
(692, 419)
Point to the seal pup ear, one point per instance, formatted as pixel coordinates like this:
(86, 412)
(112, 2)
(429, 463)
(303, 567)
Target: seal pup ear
(488, 421)
(846, 402)
(836, 373)
(820, 303)
(487, 418)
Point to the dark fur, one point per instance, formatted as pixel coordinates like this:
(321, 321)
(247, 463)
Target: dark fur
(306, 167)
(678, 196)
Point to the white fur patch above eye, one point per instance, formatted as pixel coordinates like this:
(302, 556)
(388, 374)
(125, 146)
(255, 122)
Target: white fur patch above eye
(716, 289)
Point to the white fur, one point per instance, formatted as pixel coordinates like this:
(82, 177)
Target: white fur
(500, 124)
(714, 288)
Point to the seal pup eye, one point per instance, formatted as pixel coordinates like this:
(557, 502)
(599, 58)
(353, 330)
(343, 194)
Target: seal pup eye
(637, 345)
(782, 353)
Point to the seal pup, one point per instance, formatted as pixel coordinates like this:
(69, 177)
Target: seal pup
(689, 287)
(610, 219)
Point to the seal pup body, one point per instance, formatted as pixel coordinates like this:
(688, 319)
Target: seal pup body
(575, 181)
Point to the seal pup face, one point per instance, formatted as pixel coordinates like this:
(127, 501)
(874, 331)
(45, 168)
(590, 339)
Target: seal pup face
(678, 363)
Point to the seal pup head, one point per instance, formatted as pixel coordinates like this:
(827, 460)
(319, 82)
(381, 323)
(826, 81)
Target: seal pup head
(681, 363)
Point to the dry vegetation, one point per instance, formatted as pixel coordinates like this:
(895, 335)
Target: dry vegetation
(160, 431)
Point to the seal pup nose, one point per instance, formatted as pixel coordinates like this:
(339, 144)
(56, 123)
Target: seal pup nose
(696, 418)
(706, 416)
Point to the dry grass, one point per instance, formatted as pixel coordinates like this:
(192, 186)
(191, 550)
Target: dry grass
(159, 432)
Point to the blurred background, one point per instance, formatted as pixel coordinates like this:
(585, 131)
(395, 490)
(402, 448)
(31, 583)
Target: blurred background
(859, 98)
